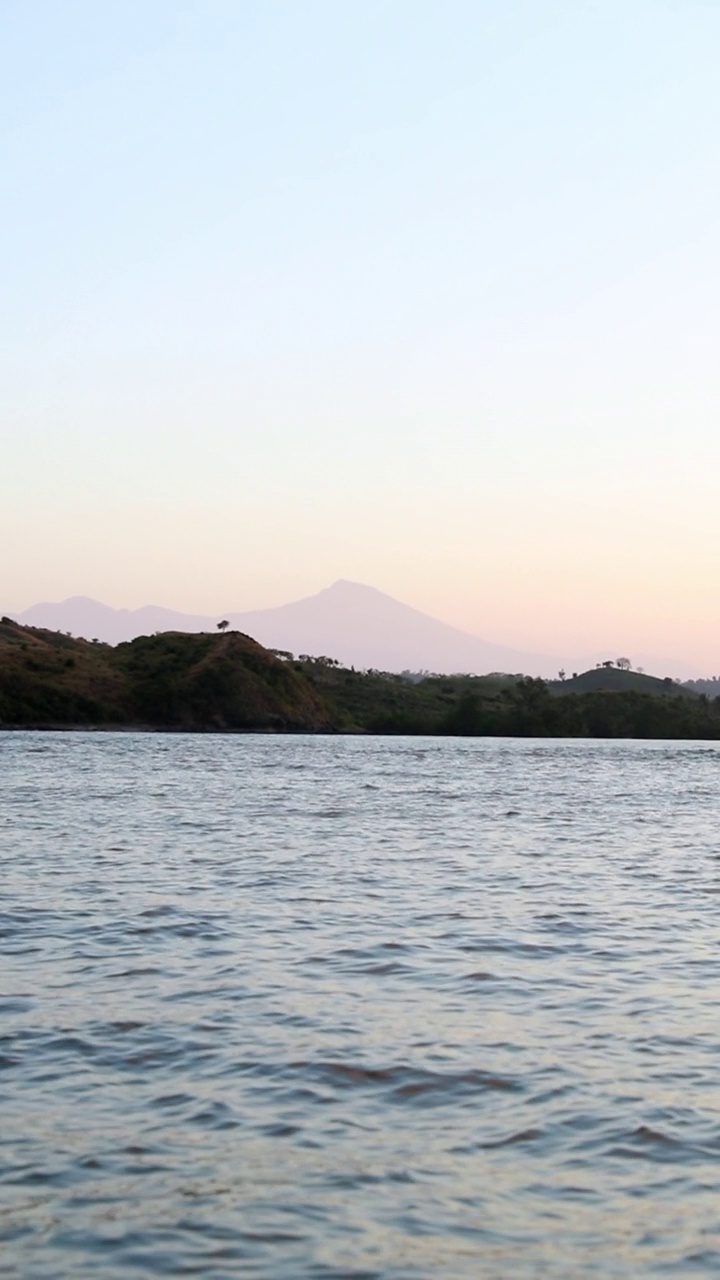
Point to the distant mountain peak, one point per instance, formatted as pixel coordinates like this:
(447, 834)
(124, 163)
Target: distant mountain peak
(344, 586)
(356, 623)
(350, 621)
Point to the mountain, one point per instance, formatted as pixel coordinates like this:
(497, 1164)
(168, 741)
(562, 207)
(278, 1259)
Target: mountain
(353, 623)
(82, 616)
(364, 627)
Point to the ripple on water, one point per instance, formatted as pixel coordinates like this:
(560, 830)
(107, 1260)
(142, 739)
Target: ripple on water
(358, 1008)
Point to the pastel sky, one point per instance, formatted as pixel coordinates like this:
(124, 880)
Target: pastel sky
(422, 295)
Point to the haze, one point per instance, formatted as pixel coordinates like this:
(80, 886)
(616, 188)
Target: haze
(421, 296)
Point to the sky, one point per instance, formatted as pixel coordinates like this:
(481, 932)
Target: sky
(415, 294)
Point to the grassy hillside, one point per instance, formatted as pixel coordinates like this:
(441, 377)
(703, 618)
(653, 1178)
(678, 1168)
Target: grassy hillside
(512, 706)
(229, 682)
(49, 678)
(380, 702)
(171, 680)
(614, 680)
(216, 681)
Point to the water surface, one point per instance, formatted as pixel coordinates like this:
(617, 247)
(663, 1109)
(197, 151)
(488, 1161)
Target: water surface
(358, 1007)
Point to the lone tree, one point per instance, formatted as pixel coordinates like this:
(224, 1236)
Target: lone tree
(223, 626)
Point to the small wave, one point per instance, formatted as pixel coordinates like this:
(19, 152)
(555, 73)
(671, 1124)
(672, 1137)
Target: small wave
(496, 1144)
(405, 1083)
(142, 971)
(216, 1115)
(647, 1143)
(15, 1004)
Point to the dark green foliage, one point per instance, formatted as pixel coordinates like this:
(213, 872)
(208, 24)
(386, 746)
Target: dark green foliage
(220, 682)
(229, 682)
(616, 680)
(468, 717)
(709, 687)
(29, 701)
(166, 681)
(513, 707)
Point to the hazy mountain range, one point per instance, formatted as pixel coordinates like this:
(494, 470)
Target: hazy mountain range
(356, 624)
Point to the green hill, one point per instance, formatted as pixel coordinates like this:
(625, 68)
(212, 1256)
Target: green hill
(171, 680)
(615, 680)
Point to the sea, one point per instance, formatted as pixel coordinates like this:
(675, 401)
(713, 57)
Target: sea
(358, 1007)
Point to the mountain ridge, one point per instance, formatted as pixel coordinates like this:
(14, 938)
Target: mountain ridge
(357, 624)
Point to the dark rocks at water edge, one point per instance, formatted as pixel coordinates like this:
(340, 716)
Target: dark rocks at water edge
(228, 682)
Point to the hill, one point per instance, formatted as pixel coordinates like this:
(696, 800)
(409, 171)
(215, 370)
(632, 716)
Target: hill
(171, 681)
(710, 686)
(615, 680)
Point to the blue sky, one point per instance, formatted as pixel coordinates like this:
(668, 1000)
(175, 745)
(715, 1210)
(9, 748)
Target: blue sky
(420, 295)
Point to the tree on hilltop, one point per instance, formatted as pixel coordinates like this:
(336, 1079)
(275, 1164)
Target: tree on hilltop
(222, 626)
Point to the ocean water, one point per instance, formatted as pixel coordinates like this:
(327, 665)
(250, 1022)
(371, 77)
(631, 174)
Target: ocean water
(358, 1007)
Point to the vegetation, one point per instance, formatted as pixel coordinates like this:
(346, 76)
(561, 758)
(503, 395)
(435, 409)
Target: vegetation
(173, 680)
(513, 706)
(228, 682)
(617, 679)
(710, 686)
